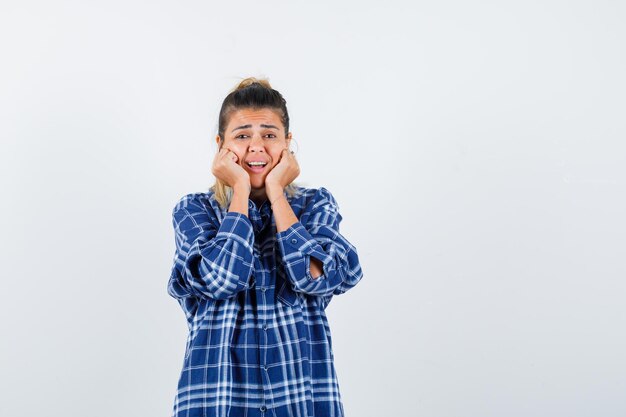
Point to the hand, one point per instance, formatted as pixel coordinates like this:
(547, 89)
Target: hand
(284, 172)
(228, 170)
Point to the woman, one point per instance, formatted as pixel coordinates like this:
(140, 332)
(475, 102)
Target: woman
(257, 261)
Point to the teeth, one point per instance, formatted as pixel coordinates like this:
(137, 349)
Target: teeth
(257, 164)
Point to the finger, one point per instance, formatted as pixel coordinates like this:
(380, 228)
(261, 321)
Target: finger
(234, 156)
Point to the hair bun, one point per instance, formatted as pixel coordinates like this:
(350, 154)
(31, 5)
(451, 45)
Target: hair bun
(246, 82)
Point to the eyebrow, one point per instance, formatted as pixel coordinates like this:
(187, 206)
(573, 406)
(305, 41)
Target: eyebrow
(249, 126)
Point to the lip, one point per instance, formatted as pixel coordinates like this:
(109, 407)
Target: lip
(256, 169)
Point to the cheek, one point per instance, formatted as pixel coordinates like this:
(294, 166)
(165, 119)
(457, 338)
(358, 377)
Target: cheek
(277, 152)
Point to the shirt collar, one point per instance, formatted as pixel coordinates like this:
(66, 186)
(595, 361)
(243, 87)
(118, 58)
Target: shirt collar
(259, 216)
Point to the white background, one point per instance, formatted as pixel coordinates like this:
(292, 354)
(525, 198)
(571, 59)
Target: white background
(476, 150)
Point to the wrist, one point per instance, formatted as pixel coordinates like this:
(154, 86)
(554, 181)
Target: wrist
(273, 191)
(241, 188)
(274, 200)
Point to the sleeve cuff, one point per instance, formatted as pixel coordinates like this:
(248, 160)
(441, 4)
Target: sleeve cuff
(296, 242)
(295, 238)
(237, 226)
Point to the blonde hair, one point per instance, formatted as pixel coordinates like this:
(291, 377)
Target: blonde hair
(255, 93)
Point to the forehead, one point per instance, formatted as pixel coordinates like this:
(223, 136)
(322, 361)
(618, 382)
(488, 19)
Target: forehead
(254, 117)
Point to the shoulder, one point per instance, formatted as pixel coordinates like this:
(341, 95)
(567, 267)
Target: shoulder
(187, 200)
(314, 198)
(196, 212)
(196, 202)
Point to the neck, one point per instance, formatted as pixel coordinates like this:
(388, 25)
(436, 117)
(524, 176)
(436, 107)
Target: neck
(258, 196)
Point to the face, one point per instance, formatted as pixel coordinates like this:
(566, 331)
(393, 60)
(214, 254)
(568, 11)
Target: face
(256, 135)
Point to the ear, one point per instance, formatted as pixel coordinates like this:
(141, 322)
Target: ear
(288, 138)
(217, 140)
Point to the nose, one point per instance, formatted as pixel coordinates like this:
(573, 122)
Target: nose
(256, 144)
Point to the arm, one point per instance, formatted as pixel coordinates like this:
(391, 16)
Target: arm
(316, 236)
(213, 260)
(285, 218)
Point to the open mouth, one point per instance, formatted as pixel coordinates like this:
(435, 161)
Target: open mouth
(256, 166)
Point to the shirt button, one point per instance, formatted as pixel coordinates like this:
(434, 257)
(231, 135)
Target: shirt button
(263, 408)
(265, 367)
(294, 240)
(263, 289)
(265, 327)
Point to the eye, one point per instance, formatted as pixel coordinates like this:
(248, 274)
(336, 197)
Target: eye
(240, 136)
(272, 136)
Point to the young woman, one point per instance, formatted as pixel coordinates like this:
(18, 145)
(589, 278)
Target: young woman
(258, 258)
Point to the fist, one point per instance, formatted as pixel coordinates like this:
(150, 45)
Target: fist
(227, 167)
(284, 172)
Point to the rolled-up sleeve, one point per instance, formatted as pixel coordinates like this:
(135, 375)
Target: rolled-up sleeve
(317, 234)
(213, 259)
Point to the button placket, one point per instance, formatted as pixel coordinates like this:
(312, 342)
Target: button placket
(263, 344)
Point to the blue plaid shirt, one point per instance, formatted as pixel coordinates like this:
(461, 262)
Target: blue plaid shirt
(259, 341)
